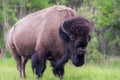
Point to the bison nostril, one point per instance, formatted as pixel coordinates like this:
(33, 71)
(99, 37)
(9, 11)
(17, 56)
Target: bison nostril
(81, 50)
(82, 44)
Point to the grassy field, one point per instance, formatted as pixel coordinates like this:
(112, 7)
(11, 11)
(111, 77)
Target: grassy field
(105, 71)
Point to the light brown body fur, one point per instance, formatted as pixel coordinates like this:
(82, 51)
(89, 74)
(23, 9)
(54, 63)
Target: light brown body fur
(38, 31)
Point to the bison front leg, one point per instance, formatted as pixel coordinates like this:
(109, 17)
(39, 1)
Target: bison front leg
(59, 70)
(38, 64)
(58, 66)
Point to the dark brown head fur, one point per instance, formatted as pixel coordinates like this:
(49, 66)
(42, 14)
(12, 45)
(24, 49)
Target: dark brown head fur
(75, 34)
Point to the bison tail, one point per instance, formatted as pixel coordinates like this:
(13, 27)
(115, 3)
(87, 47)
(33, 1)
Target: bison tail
(10, 41)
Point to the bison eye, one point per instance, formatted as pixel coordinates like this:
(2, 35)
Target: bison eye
(72, 37)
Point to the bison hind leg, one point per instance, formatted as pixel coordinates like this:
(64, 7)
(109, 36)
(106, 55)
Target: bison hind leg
(21, 63)
(24, 61)
(17, 59)
(38, 65)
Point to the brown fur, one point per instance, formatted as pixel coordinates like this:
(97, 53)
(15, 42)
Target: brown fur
(38, 31)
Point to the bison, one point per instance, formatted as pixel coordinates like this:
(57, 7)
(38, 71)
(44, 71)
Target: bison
(55, 34)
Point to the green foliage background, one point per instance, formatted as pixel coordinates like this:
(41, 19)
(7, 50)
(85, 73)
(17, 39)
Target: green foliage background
(103, 51)
(104, 14)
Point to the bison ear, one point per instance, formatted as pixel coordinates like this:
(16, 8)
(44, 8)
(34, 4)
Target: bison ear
(63, 34)
(89, 37)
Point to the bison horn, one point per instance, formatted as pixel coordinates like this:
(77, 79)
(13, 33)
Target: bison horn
(63, 29)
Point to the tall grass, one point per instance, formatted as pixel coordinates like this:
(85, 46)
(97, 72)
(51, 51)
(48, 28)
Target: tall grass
(109, 70)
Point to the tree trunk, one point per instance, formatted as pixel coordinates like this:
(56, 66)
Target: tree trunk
(102, 42)
(2, 52)
(71, 3)
(5, 24)
(21, 10)
(79, 3)
(0, 27)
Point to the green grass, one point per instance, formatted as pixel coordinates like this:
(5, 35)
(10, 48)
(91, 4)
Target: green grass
(106, 71)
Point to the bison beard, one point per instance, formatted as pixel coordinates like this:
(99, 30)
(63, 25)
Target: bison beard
(78, 60)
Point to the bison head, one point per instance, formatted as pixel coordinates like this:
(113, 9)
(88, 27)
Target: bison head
(75, 35)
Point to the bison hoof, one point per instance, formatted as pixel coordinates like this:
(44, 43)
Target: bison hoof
(59, 72)
(36, 71)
